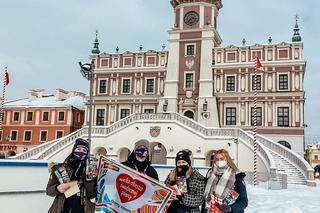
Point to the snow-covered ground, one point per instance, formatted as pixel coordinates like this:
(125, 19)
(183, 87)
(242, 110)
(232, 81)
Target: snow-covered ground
(295, 199)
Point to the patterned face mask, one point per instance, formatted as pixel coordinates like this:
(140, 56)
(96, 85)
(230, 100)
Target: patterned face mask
(141, 152)
(79, 155)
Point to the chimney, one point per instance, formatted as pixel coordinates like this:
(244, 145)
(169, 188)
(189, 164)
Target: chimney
(61, 94)
(35, 94)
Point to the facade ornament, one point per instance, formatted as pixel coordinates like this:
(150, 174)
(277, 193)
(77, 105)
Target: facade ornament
(155, 131)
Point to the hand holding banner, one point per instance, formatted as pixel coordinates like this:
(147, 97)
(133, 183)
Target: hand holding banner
(121, 189)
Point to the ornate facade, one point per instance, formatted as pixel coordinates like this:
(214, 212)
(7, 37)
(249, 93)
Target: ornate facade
(197, 77)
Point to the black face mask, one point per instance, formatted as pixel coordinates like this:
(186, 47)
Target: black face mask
(184, 169)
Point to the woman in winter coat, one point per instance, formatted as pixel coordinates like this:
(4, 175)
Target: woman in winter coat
(75, 165)
(225, 189)
(189, 183)
(139, 159)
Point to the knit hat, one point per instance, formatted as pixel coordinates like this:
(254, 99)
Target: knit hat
(81, 143)
(183, 155)
(142, 142)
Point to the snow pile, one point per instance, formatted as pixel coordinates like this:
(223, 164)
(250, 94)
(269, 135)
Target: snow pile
(295, 199)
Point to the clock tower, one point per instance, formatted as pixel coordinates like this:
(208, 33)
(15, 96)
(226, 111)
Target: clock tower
(189, 80)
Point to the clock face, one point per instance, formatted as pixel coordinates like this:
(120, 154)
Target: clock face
(191, 18)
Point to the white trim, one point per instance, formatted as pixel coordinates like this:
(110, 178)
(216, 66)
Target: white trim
(235, 82)
(124, 59)
(64, 116)
(189, 44)
(96, 113)
(123, 107)
(251, 82)
(288, 53)
(19, 118)
(105, 59)
(145, 85)
(155, 61)
(17, 136)
(185, 79)
(278, 82)
(24, 135)
(57, 133)
(99, 80)
(235, 56)
(27, 116)
(279, 105)
(253, 56)
(42, 116)
(46, 135)
(121, 88)
(235, 105)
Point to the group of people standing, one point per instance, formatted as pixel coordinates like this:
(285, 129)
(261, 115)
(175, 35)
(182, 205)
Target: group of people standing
(222, 190)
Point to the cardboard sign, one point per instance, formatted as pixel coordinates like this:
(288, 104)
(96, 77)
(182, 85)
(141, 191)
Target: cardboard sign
(74, 189)
(121, 189)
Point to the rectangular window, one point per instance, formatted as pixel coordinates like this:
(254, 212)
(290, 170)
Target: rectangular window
(45, 116)
(13, 135)
(231, 84)
(27, 136)
(1, 116)
(124, 113)
(258, 82)
(283, 82)
(150, 86)
(43, 136)
(126, 86)
(283, 116)
(59, 134)
(259, 116)
(189, 81)
(0, 135)
(103, 86)
(148, 110)
(29, 116)
(316, 157)
(16, 116)
(231, 116)
(61, 116)
(100, 117)
(190, 49)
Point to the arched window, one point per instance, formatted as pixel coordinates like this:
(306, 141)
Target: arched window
(189, 114)
(285, 143)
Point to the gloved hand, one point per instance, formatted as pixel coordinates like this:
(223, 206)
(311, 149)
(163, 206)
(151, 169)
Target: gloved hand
(224, 207)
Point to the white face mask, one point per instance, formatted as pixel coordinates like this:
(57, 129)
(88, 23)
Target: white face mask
(221, 163)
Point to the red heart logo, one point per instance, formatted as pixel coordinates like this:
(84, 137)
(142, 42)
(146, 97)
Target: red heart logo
(129, 189)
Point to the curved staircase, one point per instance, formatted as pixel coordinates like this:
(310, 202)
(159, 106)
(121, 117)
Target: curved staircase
(277, 158)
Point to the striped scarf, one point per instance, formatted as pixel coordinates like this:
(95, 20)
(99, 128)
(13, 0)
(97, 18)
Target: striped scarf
(219, 182)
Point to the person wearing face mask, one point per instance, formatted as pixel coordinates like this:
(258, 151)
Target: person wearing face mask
(225, 189)
(75, 166)
(189, 184)
(139, 159)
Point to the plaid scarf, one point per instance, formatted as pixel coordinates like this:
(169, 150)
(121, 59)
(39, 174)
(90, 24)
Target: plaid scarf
(219, 182)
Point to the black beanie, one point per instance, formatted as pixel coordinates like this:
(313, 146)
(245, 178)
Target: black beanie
(183, 155)
(81, 143)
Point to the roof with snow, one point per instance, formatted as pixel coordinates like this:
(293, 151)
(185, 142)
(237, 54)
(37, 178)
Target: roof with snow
(47, 101)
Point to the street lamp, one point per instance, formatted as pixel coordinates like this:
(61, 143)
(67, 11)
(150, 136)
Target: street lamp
(86, 71)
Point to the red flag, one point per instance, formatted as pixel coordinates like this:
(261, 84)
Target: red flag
(258, 64)
(7, 79)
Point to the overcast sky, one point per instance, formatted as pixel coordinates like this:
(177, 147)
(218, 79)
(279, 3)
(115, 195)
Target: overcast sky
(42, 41)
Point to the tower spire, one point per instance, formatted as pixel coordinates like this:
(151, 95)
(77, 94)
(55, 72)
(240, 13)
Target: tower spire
(96, 49)
(296, 36)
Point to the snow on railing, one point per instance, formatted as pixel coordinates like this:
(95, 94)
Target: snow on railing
(32, 152)
(59, 144)
(193, 125)
(295, 158)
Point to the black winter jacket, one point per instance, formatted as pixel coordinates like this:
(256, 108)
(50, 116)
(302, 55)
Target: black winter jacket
(146, 168)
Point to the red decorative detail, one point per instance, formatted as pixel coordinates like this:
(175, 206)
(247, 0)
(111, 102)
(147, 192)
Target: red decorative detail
(129, 189)
(7, 79)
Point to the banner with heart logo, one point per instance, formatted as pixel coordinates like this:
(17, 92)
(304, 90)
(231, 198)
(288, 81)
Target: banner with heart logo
(122, 189)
